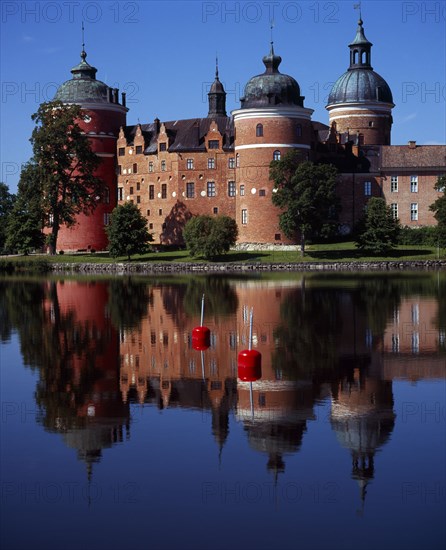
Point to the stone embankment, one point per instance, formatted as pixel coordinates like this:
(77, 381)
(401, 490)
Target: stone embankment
(149, 268)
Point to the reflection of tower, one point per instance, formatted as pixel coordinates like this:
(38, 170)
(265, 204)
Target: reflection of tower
(362, 417)
(79, 389)
(276, 422)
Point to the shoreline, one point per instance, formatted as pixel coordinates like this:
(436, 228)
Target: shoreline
(234, 267)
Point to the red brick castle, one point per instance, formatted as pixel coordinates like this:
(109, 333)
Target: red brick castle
(219, 164)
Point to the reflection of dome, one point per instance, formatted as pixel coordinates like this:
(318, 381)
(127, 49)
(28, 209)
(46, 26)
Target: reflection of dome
(83, 87)
(363, 434)
(272, 87)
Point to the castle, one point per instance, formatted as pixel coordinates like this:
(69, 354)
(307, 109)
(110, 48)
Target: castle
(219, 164)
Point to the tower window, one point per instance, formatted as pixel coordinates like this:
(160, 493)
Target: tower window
(190, 190)
(211, 189)
(276, 155)
(107, 195)
(299, 130)
(262, 192)
(259, 130)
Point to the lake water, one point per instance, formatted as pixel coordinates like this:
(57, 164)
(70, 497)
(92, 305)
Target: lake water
(116, 433)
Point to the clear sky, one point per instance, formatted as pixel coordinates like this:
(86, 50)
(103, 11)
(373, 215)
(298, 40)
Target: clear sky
(163, 55)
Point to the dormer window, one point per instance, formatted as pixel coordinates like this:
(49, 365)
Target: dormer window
(121, 151)
(163, 146)
(139, 149)
(213, 144)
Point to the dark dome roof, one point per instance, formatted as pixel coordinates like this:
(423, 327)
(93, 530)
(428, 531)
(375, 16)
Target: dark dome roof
(360, 86)
(83, 87)
(272, 87)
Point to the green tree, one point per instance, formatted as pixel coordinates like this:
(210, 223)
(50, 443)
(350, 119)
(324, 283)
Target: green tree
(127, 232)
(25, 223)
(307, 194)
(210, 237)
(66, 166)
(6, 205)
(439, 207)
(378, 231)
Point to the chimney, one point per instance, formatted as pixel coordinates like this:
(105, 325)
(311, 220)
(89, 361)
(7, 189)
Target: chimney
(115, 95)
(412, 144)
(123, 94)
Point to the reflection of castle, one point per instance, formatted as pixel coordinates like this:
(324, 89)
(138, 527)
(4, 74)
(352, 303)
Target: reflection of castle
(91, 372)
(80, 390)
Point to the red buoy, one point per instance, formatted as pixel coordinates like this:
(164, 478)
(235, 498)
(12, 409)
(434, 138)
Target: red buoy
(201, 336)
(249, 365)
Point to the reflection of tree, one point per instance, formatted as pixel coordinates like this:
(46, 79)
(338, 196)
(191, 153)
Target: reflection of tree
(129, 299)
(221, 298)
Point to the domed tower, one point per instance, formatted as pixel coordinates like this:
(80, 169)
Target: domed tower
(104, 115)
(271, 120)
(360, 102)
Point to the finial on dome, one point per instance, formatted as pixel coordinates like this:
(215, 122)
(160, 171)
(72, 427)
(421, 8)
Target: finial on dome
(216, 66)
(83, 52)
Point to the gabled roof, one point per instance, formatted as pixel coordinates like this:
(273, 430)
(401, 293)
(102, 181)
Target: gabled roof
(184, 135)
(415, 159)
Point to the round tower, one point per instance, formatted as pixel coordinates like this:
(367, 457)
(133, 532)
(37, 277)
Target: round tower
(104, 115)
(360, 102)
(271, 120)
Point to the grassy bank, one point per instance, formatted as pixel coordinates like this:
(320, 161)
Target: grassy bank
(340, 252)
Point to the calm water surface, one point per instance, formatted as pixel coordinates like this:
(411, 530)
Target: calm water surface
(116, 433)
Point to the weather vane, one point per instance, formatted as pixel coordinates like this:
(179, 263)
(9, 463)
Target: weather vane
(358, 7)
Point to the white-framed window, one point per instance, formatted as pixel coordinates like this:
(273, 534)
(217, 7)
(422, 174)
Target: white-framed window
(414, 184)
(414, 211)
(394, 210)
(394, 184)
(211, 164)
(244, 216)
(237, 160)
(367, 188)
(231, 162)
(415, 342)
(163, 166)
(276, 155)
(211, 192)
(231, 188)
(242, 190)
(190, 164)
(150, 166)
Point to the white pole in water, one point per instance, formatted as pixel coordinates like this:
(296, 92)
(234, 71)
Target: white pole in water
(202, 310)
(251, 314)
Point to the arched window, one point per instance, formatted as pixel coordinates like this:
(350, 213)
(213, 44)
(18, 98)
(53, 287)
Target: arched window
(259, 130)
(299, 130)
(276, 155)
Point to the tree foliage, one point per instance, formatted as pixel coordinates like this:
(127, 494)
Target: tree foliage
(439, 209)
(307, 194)
(127, 232)
(378, 231)
(25, 223)
(64, 166)
(7, 200)
(210, 237)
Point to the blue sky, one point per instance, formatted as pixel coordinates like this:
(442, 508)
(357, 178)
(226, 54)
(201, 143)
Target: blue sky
(163, 55)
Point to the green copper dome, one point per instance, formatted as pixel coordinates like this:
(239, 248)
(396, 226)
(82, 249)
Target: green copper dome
(271, 88)
(83, 87)
(360, 83)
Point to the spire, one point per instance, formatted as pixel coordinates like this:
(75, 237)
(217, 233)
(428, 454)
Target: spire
(272, 61)
(84, 69)
(217, 96)
(360, 48)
